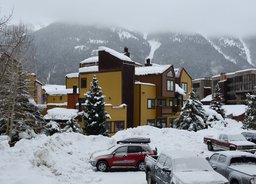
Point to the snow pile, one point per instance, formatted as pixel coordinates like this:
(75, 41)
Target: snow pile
(115, 53)
(208, 98)
(234, 110)
(52, 89)
(64, 158)
(155, 69)
(93, 59)
(61, 114)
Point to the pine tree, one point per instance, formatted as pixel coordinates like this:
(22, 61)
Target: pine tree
(216, 103)
(192, 116)
(72, 126)
(250, 113)
(95, 115)
(20, 117)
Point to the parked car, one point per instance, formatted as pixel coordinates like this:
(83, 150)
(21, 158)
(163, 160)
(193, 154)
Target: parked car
(229, 142)
(238, 167)
(181, 168)
(250, 136)
(128, 155)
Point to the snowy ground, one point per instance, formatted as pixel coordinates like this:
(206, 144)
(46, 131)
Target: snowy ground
(64, 158)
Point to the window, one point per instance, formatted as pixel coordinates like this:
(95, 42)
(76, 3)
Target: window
(170, 85)
(161, 159)
(161, 123)
(161, 102)
(214, 157)
(184, 86)
(134, 149)
(171, 103)
(151, 122)
(60, 97)
(222, 159)
(108, 126)
(151, 103)
(121, 150)
(170, 74)
(119, 125)
(83, 82)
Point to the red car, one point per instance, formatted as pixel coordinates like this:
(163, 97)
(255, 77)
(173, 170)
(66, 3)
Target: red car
(128, 155)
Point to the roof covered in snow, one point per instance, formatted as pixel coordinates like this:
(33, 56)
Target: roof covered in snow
(61, 114)
(52, 89)
(235, 110)
(143, 83)
(207, 98)
(179, 90)
(88, 69)
(237, 72)
(93, 59)
(115, 53)
(155, 69)
(72, 75)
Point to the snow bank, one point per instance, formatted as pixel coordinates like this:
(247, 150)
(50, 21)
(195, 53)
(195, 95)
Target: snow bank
(64, 158)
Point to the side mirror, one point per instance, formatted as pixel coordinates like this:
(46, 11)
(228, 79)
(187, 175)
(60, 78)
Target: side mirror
(214, 167)
(114, 153)
(167, 170)
(155, 151)
(207, 158)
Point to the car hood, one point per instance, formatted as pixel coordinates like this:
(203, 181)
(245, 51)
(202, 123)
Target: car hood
(200, 177)
(100, 153)
(243, 143)
(249, 169)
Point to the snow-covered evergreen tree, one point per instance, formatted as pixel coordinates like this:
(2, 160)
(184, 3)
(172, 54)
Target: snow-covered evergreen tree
(192, 116)
(72, 126)
(95, 114)
(51, 128)
(216, 103)
(18, 114)
(250, 113)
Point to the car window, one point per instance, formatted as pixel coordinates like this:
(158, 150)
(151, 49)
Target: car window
(146, 149)
(243, 160)
(225, 138)
(168, 163)
(134, 149)
(161, 159)
(122, 149)
(222, 158)
(214, 157)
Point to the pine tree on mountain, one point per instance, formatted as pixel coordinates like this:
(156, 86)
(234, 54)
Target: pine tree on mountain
(95, 115)
(192, 116)
(250, 113)
(216, 103)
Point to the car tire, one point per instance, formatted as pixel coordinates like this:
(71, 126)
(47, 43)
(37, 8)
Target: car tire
(102, 166)
(232, 149)
(141, 166)
(149, 179)
(234, 182)
(209, 146)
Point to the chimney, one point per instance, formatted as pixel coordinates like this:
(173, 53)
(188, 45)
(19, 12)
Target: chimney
(148, 62)
(126, 52)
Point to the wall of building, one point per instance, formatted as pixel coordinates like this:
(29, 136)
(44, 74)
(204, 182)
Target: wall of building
(56, 99)
(110, 82)
(185, 78)
(70, 82)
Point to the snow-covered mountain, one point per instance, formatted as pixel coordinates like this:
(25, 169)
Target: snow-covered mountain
(60, 47)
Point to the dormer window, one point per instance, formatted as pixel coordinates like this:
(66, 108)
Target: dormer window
(170, 74)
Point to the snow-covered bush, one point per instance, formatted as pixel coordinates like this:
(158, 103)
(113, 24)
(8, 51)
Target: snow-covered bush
(72, 126)
(216, 104)
(51, 128)
(250, 114)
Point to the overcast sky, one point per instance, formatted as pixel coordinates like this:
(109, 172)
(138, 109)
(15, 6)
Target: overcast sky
(226, 17)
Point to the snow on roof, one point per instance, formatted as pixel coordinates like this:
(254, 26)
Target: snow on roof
(72, 75)
(200, 79)
(234, 110)
(207, 98)
(57, 104)
(179, 90)
(115, 53)
(61, 114)
(237, 72)
(155, 69)
(177, 72)
(143, 83)
(52, 89)
(88, 69)
(93, 59)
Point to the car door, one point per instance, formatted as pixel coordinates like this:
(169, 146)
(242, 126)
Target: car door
(120, 156)
(159, 168)
(166, 175)
(221, 165)
(134, 155)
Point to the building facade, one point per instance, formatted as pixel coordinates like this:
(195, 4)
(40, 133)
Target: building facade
(202, 87)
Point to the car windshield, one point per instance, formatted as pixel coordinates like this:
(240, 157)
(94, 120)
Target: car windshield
(237, 137)
(113, 148)
(243, 160)
(191, 164)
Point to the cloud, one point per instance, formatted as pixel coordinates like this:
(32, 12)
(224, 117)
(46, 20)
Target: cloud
(229, 17)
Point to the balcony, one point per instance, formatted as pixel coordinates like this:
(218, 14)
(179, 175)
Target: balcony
(164, 111)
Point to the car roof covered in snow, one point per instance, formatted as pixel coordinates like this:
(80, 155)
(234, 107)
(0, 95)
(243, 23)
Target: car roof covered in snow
(235, 153)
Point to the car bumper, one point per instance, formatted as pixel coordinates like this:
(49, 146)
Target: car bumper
(247, 150)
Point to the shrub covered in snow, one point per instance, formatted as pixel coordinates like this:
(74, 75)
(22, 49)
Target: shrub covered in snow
(216, 103)
(250, 114)
(72, 126)
(52, 127)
